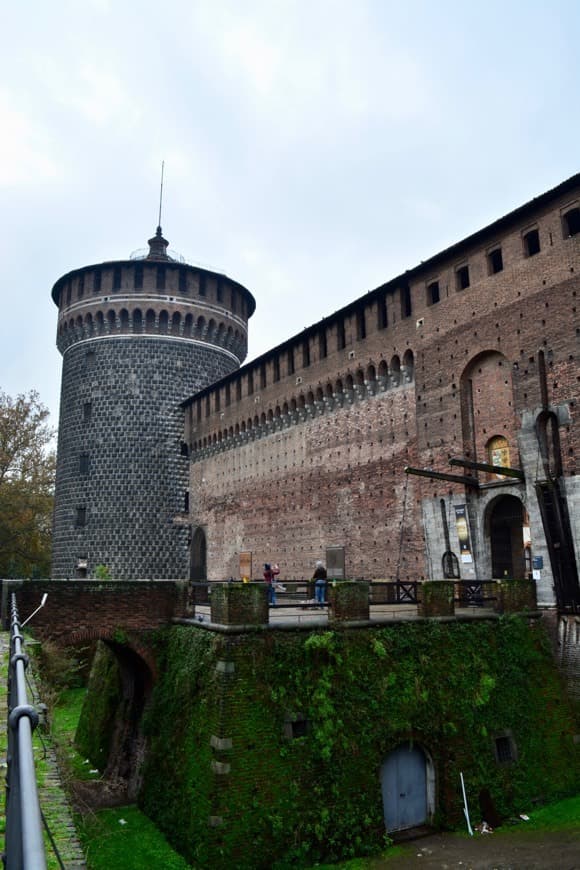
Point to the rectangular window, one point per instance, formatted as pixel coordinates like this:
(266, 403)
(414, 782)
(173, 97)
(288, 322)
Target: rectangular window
(322, 347)
(361, 325)
(183, 280)
(87, 411)
(198, 412)
(138, 276)
(505, 749)
(228, 395)
(495, 261)
(433, 293)
(220, 291)
(340, 335)
(532, 243)
(90, 358)
(160, 278)
(263, 378)
(84, 464)
(406, 302)
(291, 361)
(382, 316)
(117, 278)
(217, 400)
(68, 292)
(305, 354)
(202, 285)
(250, 383)
(239, 389)
(207, 406)
(234, 301)
(186, 502)
(276, 368)
(571, 222)
(97, 281)
(81, 516)
(81, 286)
(462, 278)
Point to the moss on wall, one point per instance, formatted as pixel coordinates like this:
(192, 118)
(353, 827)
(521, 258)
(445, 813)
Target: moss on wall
(268, 799)
(96, 724)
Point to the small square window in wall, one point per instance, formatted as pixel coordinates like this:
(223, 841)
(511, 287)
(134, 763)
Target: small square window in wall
(81, 516)
(433, 293)
(505, 749)
(571, 222)
(495, 261)
(462, 278)
(531, 242)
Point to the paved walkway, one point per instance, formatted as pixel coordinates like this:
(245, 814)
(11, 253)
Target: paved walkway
(51, 794)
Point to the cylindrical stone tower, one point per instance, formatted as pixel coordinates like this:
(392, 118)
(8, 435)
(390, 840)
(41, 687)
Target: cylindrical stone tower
(137, 337)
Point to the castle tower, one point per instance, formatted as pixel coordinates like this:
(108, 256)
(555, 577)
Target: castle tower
(138, 337)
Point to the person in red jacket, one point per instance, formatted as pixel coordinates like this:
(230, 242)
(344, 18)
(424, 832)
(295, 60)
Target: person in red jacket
(270, 573)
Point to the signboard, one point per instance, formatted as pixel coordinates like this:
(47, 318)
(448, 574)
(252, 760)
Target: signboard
(335, 563)
(463, 533)
(246, 566)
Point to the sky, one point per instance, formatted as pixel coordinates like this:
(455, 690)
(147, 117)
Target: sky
(313, 149)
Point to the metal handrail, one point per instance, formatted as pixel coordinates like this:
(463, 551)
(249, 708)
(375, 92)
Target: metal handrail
(24, 844)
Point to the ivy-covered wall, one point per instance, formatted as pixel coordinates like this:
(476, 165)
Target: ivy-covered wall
(231, 782)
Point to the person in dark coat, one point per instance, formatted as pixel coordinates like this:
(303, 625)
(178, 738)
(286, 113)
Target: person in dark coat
(320, 582)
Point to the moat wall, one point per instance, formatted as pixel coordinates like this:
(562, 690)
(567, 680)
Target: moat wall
(268, 747)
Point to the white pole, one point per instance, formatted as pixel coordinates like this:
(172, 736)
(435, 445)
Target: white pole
(465, 807)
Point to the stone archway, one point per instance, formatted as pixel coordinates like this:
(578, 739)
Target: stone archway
(505, 522)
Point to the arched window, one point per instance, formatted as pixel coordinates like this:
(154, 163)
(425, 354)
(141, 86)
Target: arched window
(137, 320)
(198, 562)
(150, 321)
(498, 453)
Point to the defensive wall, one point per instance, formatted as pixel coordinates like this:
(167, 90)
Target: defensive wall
(472, 354)
(282, 739)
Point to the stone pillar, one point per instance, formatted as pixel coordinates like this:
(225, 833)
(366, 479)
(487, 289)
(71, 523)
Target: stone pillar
(239, 604)
(348, 600)
(515, 596)
(436, 598)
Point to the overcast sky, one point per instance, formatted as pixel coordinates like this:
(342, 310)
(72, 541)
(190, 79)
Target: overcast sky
(313, 148)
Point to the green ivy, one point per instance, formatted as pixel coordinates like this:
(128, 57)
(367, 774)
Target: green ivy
(450, 687)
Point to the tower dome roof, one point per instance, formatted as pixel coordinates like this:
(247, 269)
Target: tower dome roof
(158, 247)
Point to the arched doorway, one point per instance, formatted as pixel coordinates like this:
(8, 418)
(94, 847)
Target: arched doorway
(198, 563)
(407, 787)
(506, 522)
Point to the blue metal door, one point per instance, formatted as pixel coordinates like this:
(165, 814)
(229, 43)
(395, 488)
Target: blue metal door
(404, 788)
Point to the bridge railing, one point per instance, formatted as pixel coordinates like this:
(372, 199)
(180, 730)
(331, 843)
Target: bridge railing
(24, 844)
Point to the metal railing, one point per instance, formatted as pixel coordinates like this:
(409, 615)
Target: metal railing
(24, 844)
(474, 593)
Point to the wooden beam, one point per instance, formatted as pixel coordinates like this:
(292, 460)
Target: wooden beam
(492, 469)
(439, 475)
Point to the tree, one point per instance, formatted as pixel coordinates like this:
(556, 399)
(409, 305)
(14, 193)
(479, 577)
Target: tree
(27, 469)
